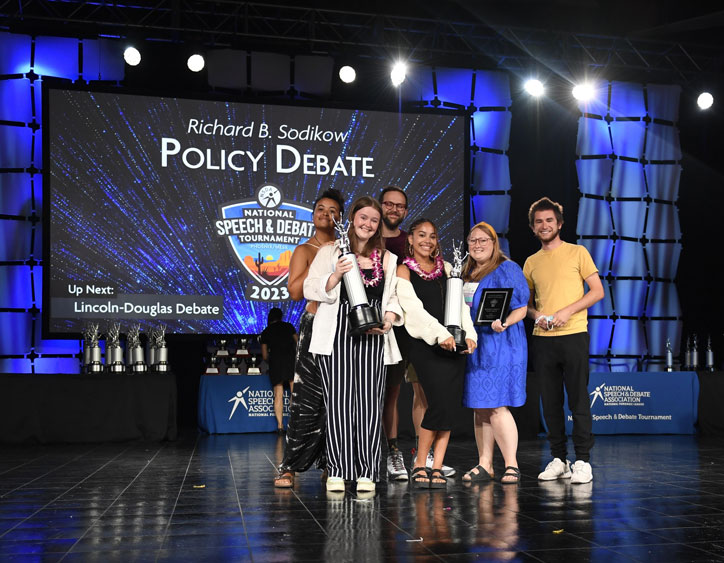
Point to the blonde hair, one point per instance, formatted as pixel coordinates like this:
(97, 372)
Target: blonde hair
(496, 258)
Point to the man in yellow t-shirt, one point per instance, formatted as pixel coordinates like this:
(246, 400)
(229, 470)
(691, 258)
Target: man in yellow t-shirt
(559, 305)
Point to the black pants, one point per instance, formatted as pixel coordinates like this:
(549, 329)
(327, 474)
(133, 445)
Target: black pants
(307, 416)
(559, 361)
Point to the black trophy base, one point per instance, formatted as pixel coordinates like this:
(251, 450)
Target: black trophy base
(363, 318)
(459, 336)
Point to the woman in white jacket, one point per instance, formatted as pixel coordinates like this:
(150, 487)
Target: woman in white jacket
(421, 289)
(353, 368)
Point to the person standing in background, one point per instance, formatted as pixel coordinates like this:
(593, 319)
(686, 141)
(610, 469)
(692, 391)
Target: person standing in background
(394, 210)
(278, 349)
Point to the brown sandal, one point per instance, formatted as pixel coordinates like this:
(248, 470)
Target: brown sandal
(284, 480)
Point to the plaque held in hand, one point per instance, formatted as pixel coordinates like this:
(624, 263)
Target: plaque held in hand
(362, 317)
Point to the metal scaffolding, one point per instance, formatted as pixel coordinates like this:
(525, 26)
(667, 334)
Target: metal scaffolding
(299, 28)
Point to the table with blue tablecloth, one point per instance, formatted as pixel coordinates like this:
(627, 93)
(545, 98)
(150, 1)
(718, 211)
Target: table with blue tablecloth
(642, 403)
(231, 404)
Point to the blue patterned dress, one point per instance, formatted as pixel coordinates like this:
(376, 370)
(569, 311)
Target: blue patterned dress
(495, 372)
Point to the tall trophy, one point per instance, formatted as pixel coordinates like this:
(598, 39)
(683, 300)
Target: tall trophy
(151, 348)
(709, 355)
(454, 299)
(114, 352)
(92, 349)
(687, 354)
(161, 364)
(362, 317)
(137, 363)
(669, 356)
(694, 352)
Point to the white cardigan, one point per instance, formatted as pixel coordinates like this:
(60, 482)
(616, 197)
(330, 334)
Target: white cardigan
(421, 324)
(325, 321)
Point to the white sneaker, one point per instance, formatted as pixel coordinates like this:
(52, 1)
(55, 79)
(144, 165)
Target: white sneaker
(396, 466)
(446, 470)
(556, 469)
(582, 472)
(335, 485)
(365, 485)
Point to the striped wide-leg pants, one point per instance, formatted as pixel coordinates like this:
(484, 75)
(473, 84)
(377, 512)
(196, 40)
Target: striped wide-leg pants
(306, 429)
(353, 379)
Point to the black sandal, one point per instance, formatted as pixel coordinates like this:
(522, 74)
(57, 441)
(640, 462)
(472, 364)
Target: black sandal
(480, 477)
(416, 478)
(437, 474)
(511, 471)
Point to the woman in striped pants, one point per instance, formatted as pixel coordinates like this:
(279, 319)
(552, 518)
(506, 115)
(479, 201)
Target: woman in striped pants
(353, 367)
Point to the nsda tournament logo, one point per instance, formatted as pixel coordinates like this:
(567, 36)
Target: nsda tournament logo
(262, 233)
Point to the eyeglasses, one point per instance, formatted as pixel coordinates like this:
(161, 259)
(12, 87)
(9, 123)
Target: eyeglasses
(389, 205)
(480, 241)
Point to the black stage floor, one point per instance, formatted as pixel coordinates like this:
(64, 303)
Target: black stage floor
(210, 498)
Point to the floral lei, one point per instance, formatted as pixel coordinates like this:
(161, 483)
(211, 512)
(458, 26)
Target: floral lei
(376, 270)
(437, 271)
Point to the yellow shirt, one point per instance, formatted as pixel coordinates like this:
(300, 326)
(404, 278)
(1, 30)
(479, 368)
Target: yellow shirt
(556, 276)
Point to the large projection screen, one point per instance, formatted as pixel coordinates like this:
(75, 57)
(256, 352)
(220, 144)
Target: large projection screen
(185, 212)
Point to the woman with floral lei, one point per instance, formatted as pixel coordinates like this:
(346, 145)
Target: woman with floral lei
(421, 289)
(353, 367)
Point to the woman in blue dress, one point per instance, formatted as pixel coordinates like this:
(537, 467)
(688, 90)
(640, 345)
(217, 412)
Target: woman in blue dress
(496, 371)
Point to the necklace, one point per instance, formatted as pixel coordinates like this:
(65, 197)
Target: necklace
(436, 272)
(374, 281)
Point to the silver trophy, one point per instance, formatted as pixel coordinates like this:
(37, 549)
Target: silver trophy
(242, 349)
(114, 352)
(454, 299)
(213, 367)
(687, 354)
(253, 365)
(161, 364)
(137, 363)
(709, 355)
(151, 348)
(92, 351)
(222, 352)
(234, 369)
(669, 356)
(694, 353)
(362, 317)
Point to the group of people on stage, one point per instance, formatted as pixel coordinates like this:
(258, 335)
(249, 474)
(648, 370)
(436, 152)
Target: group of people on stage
(346, 385)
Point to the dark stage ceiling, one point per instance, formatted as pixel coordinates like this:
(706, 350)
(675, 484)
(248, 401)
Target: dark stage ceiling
(627, 40)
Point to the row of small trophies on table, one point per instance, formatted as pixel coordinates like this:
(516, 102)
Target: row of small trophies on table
(137, 358)
(232, 357)
(691, 355)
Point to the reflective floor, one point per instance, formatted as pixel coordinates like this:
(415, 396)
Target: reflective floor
(210, 498)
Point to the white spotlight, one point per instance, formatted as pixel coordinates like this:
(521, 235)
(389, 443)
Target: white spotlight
(195, 63)
(398, 73)
(132, 56)
(705, 100)
(347, 74)
(583, 92)
(534, 87)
